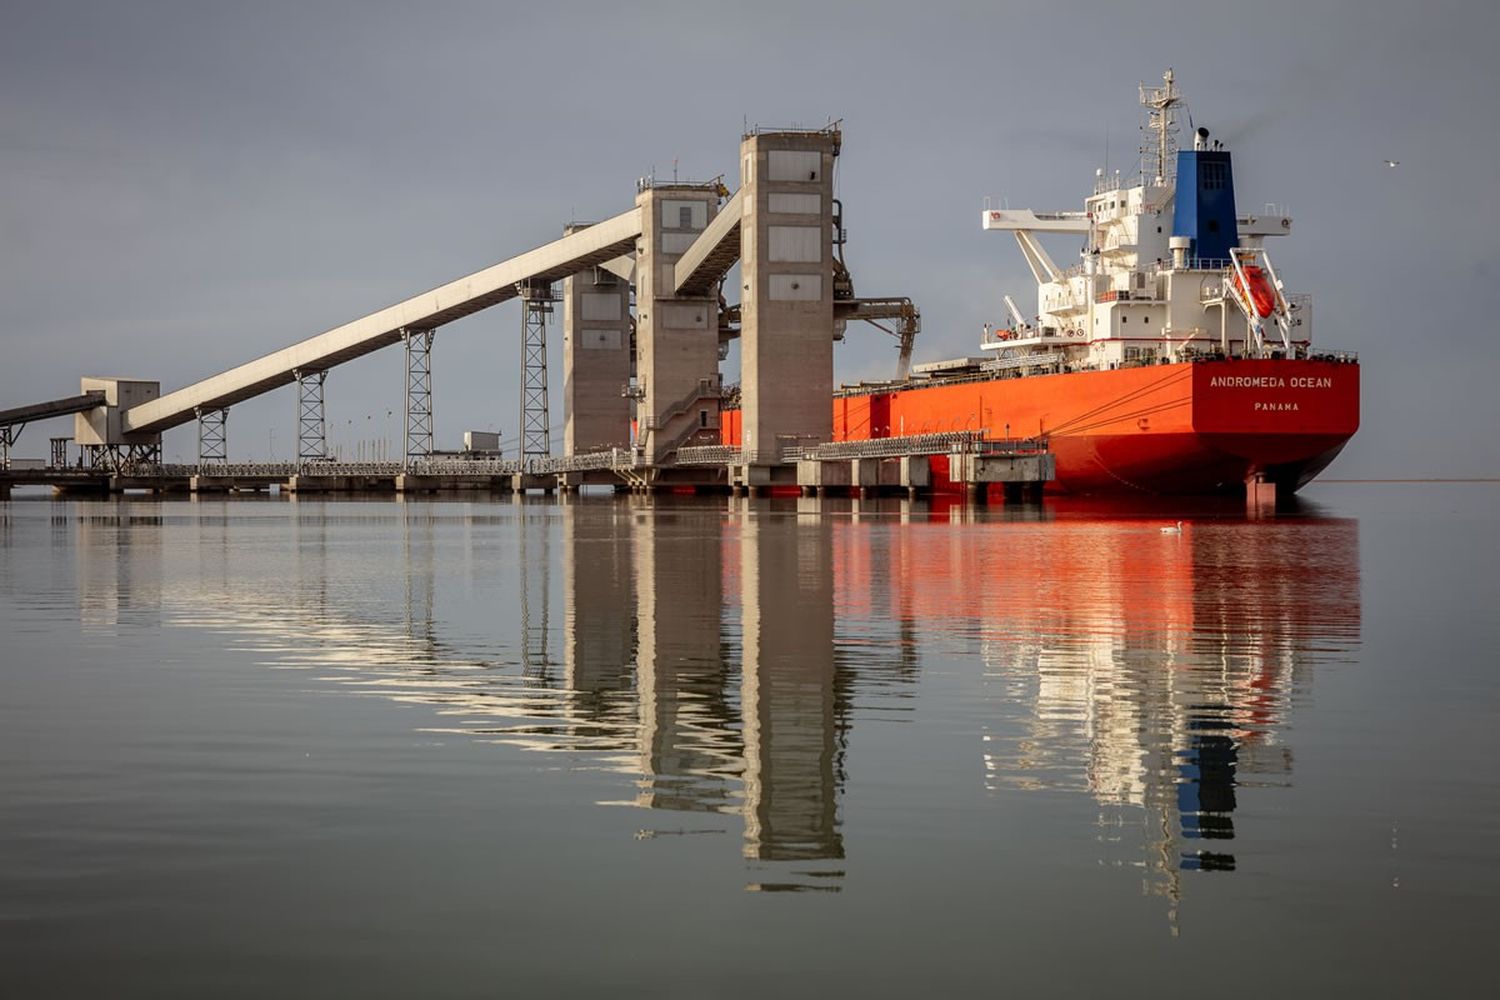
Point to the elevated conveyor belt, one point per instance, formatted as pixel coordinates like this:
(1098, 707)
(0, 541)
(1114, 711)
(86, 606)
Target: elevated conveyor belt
(581, 250)
(51, 408)
(713, 253)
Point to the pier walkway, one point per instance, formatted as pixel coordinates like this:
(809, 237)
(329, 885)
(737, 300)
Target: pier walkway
(898, 464)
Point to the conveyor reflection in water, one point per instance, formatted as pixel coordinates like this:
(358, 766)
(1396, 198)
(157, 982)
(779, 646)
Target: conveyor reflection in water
(714, 659)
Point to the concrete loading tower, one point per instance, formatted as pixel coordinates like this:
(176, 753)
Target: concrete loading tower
(786, 295)
(677, 336)
(597, 355)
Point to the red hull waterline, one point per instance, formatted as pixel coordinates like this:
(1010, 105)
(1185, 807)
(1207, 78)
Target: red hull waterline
(1194, 428)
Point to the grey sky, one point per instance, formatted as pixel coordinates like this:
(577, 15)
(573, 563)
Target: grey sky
(188, 185)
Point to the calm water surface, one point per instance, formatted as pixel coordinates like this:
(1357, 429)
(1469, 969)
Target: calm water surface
(292, 748)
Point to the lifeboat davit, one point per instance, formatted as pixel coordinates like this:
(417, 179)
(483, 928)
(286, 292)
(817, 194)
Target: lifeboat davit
(1262, 295)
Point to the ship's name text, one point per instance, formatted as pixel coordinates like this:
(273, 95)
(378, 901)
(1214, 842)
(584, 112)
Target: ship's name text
(1269, 382)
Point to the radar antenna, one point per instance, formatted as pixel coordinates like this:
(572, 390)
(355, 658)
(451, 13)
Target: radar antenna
(1159, 154)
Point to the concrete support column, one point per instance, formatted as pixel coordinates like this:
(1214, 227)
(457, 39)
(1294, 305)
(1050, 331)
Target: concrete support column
(596, 360)
(786, 295)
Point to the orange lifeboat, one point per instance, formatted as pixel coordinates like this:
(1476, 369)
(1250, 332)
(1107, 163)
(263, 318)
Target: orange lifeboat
(1261, 294)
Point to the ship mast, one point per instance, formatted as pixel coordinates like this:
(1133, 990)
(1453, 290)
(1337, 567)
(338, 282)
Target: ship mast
(1158, 156)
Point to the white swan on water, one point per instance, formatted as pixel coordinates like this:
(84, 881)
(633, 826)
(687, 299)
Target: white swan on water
(1173, 529)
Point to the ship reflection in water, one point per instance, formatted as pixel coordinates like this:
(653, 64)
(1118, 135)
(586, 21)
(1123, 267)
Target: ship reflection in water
(718, 657)
(1158, 677)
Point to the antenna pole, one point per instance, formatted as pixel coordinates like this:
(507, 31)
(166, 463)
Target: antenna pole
(1161, 104)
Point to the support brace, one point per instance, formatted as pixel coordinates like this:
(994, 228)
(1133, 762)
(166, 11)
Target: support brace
(536, 425)
(419, 427)
(8, 437)
(312, 436)
(213, 446)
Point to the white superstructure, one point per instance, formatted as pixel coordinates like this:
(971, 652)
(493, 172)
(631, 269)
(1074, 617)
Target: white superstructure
(1167, 272)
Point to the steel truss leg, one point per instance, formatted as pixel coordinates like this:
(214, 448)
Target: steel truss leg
(535, 591)
(8, 437)
(419, 426)
(59, 458)
(122, 460)
(312, 435)
(142, 457)
(213, 442)
(536, 427)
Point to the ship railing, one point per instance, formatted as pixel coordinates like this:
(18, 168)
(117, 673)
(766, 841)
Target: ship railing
(1126, 295)
(1041, 359)
(994, 337)
(1157, 267)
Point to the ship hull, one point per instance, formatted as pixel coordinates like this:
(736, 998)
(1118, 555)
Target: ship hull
(1193, 428)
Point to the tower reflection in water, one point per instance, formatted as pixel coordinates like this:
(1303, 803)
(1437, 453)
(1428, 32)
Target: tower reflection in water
(713, 655)
(732, 627)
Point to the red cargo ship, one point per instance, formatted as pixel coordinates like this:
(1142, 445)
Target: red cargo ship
(1170, 359)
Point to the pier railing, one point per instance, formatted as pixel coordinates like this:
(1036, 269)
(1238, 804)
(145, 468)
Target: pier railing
(890, 447)
(714, 454)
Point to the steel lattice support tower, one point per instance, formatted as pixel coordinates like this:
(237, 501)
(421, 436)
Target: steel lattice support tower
(312, 438)
(213, 444)
(59, 457)
(418, 440)
(7, 438)
(536, 425)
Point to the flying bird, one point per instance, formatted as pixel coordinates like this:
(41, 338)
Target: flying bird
(1393, 163)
